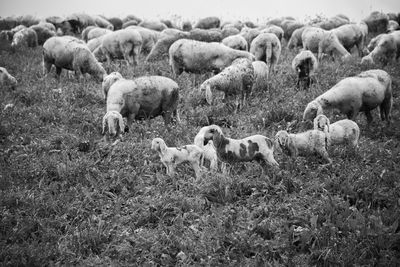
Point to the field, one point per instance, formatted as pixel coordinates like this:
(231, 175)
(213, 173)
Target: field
(69, 198)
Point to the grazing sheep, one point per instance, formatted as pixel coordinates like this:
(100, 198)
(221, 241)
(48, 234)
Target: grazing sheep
(153, 25)
(266, 47)
(229, 31)
(261, 76)
(236, 42)
(143, 98)
(275, 30)
(341, 132)
(303, 144)
(351, 95)
(208, 23)
(203, 139)
(304, 64)
(149, 38)
(256, 147)
(295, 40)
(109, 80)
(43, 33)
(125, 44)
(392, 26)
(172, 156)
(66, 52)
(97, 32)
(351, 35)
(236, 79)
(386, 50)
(377, 22)
(161, 47)
(198, 57)
(333, 22)
(25, 38)
(6, 79)
(249, 34)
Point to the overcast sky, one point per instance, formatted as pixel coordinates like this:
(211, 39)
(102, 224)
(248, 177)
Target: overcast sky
(192, 10)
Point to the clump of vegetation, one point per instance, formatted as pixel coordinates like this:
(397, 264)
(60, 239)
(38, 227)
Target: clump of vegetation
(68, 198)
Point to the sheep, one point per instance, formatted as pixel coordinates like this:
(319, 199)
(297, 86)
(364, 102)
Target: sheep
(149, 38)
(333, 22)
(144, 97)
(322, 41)
(116, 22)
(161, 47)
(203, 139)
(295, 40)
(289, 26)
(351, 95)
(97, 32)
(236, 42)
(377, 22)
(125, 44)
(109, 80)
(43, 33)
(103, 23)
(198, 57)
(256, 147)
(85, 32)
(385, 51)
(304, 64)
(237, 79)
(202, 35)
(249, 34)
(6, 79)
(72, 54)
(172, 156)
(278, 31)
(341, 132)
(350, 35)
(266, 47)
(208, 23)
(303, 144)
(261, 76)
(392, 26)
(229, 31)
(25, 38)
(153, 25)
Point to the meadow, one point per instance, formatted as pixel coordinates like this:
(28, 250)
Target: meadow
(69, 198)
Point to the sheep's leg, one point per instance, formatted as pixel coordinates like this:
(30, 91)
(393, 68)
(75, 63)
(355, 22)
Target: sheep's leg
(176, 115)
(46, 68)
(197, 169)
(237, 104)
(385, 111)
(213, 165)
(324, 154)
(369, 117)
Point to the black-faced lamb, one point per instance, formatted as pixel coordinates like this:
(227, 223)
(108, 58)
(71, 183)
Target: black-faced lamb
(172, 156)
(304, 64)
(340, 132)
(237, 80)
(303, 144)
(351, 95)
(266, 47)
(143, 98)
(6, 79)
(66, 52)
(198, 57)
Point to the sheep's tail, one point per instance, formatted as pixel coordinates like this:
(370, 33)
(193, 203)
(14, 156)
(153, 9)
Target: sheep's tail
(269, 52)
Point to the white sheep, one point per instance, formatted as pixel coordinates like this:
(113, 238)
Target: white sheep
(109, 80)
(25, 38)
(351, 95)
(387, 49)
(197, 57)
(304, 64)
(203, 139)
(6, 79)
(143, 98)
(351, 35)
(172, 156)
(341, 132)
(278, 31)
(67, 52)
(236, 42)
(97, 32)
(266, 47)
(261, 76)
(237, 80)
(256, 147)
(295, 40)
(303, 144)
(122, 44)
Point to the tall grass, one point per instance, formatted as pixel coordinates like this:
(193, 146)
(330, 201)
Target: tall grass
(68, 198)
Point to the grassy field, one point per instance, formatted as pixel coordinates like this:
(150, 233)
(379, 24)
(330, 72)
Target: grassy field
(68, 198)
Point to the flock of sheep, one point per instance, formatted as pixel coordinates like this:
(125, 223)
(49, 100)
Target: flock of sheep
(241, 56)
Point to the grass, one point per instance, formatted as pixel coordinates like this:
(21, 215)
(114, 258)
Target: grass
(67, 198)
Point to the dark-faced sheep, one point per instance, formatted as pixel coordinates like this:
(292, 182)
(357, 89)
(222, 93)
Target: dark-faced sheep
(304, 64)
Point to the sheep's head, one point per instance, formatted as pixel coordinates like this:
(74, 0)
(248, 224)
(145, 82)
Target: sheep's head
(321, 122)
(109, 80)
(210, 132)
(7, 79)
(158, 145)
(281, 139)
(115, 123)
(206, 88)
(367, 60)
(312, 110)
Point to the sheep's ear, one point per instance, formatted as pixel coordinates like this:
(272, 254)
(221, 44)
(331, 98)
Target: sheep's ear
(316, 124)
(208, 95)
(162, 146)
(319, 110)
(327, 126)
(104, 124)
(121, 123)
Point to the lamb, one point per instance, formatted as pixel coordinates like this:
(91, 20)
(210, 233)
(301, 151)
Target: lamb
(237, 79)
(304, 64)
(25, 38)
(109, 80)
(6, 79)
(351, 95)
(266, 47)
(203, 139)
(126, 44)
(66, 52)
(341, 132)
(261, 76)
(142, 98)
(303, 144)
(236, 42)
(198, 57)
(172, 156)
(256, 147)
